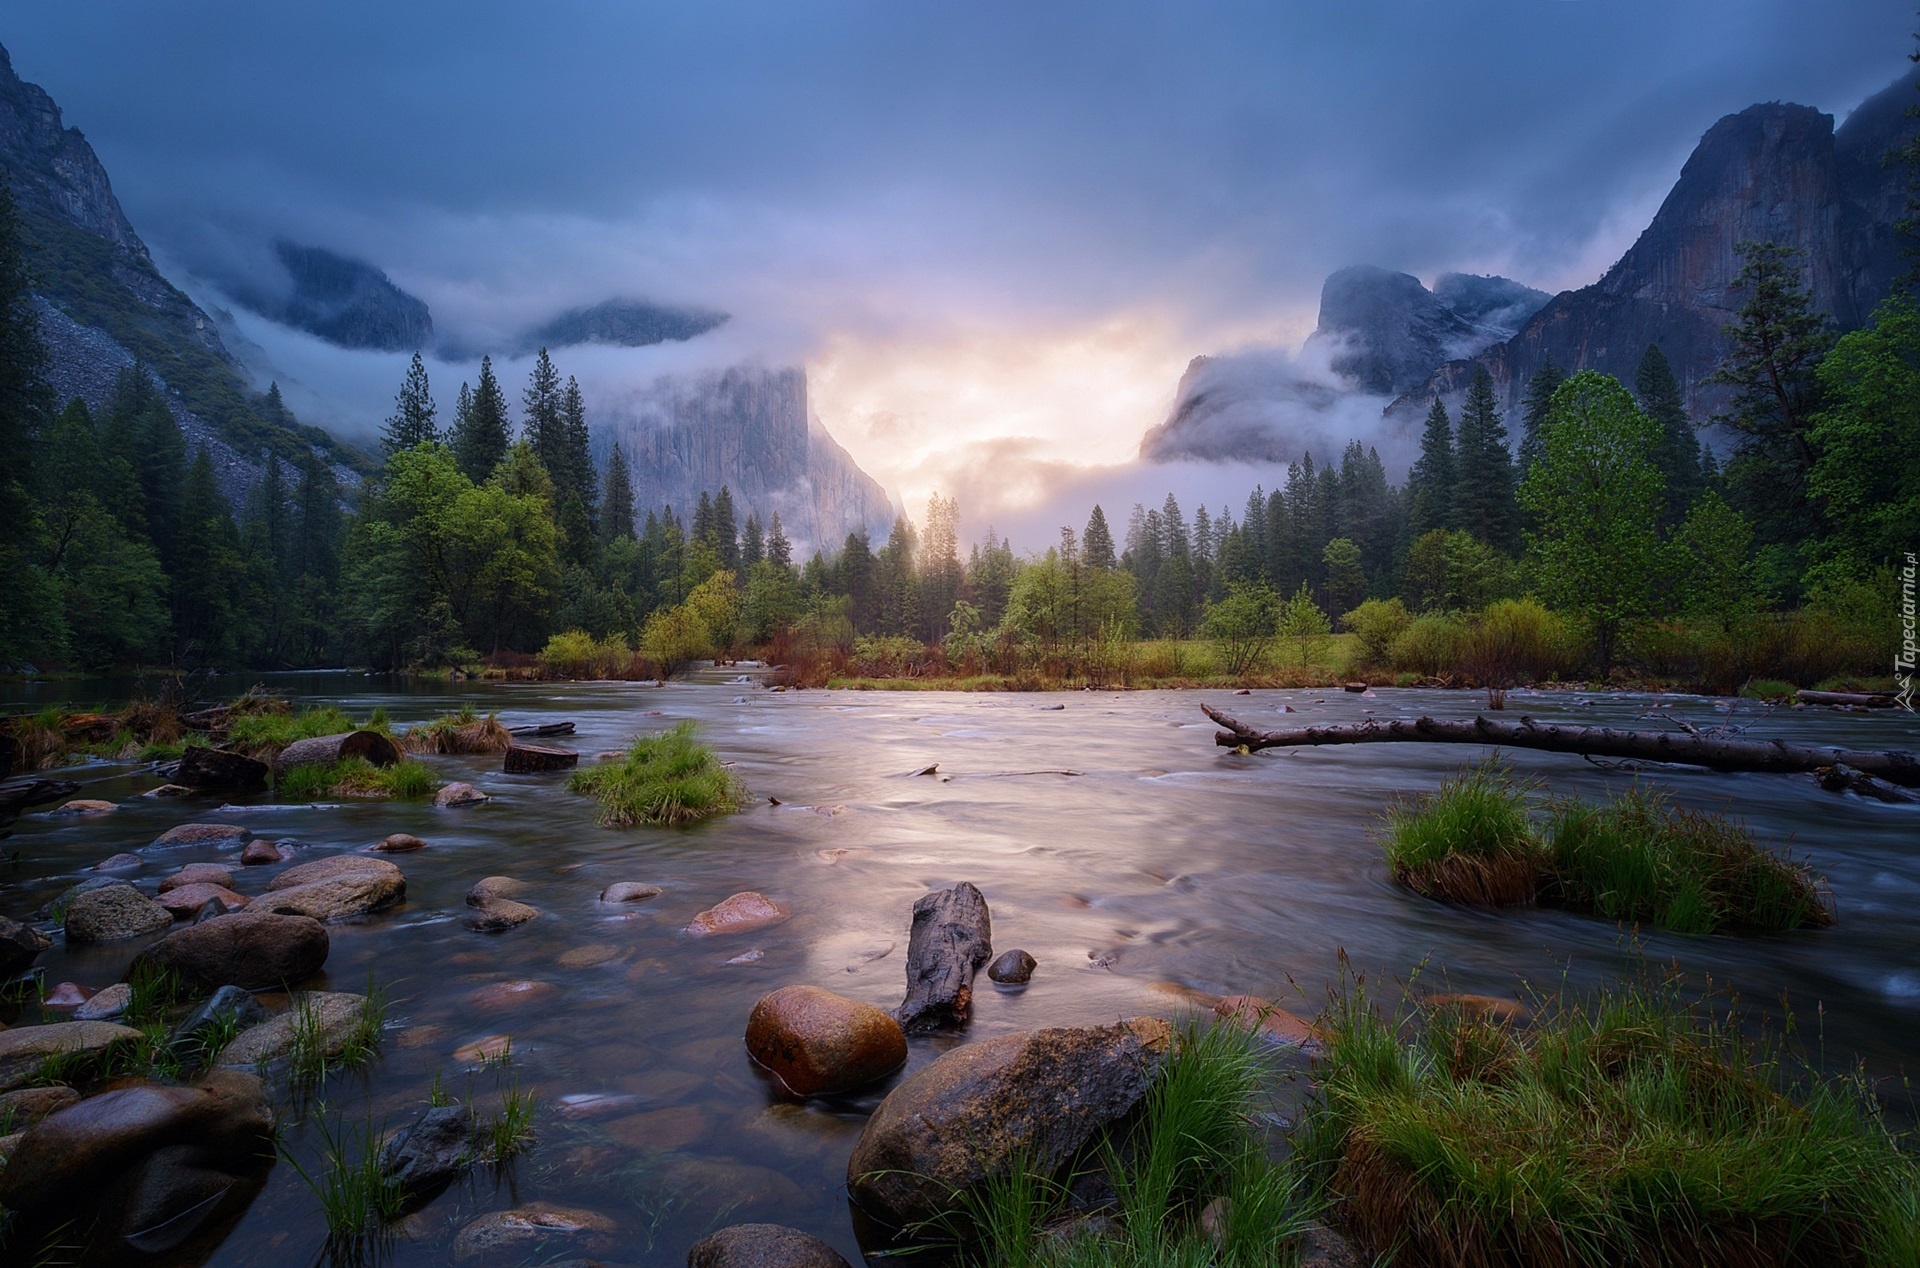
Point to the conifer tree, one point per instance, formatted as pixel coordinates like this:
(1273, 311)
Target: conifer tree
(573, 415)
(1430, 483)
(413, 412)
(724, 532)
(1678, 453)
(779, 549)
(1539, 399)
(481, 436)
(753, 543)
(1483, 503)
(542, 421)
(616, 507)
(1096, 543)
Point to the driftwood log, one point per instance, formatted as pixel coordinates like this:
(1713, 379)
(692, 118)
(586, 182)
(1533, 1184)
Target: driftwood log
(16, 799)
(952, 937)
(203, 767)
(1865, 699)
(326, 749)
(544, 728)
(1773, 756)
(527, 759)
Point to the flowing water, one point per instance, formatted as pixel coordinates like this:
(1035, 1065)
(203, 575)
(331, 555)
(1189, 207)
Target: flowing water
(1112, 839)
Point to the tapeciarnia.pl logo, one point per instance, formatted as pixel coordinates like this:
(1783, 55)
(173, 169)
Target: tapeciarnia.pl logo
(1903, 660)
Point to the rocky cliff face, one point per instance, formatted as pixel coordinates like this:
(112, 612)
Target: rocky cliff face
(347, 302)
(103, 305)
(750, 429)
(623, 323)
(1388, 332)
(1771, 172)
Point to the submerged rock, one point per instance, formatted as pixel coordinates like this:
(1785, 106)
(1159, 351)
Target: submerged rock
(459, 795)
(741, 913)
(83, 806)
(629, 892)
(430, 1152)
(492, 915)
(120, 863)
(1033, 1098)
(114, 911)
(537, 1224)
(1270, 1021)
(258, 852)
(333, 1015)
(185, 900)
(490, 887)
(230, 1005)
(257, 950)
(763, 1246)
(400, 843)
(202, 834)
(818, 1043)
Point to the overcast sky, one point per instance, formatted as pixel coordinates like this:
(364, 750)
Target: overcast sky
(977, 222)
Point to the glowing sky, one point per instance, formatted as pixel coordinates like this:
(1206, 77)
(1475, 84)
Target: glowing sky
(995, 232)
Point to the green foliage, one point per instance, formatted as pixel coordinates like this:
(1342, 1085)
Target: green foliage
(577, 654)
(1376, 624)
(1627, 1127)
(356, 777)
(1518, 640)
(1483, 504)
(1243, 626)
(1452, 570)
(508, 1133)
(665, 779)
(1677, 453)
(1432, 645)
(1430, 485)
(1713, 563)
(1866, 443)
(1470, 842)
(1304, 627)
(270, 730)
(1594, 495)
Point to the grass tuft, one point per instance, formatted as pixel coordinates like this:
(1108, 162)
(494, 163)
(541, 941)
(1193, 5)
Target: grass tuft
(669, 778)
(356, 1197)
(356, 777)
(463, 732)
(1470, 842)
(1630, 1127)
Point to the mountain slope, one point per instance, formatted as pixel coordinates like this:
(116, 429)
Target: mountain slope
(347, 302)
(624, 323)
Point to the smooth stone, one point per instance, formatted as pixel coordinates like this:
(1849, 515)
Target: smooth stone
(333, 867)
(83, 806)
(587, 957)
(1013, 967)
(430, 1152)
(491, 915)
(511, 994)
(171, 790)
(675, 1127)
(629, 892)
(105, 1005)
(120, 863)
(1270, 1021)
(459, 795)
(338, 897)
(258, 950)
(185, 900)
(80, 1148)
(763, 1246)
(112, 912)
(258, 852)
(198, 874)
(29, 1105)
(818, 1043)
(20, 945)
(481, 1051)
(537, 1224)
(737, 1185)
(206, 834)
(189, 1039)
(741, 913)
(494, 887)
(335, 1015)
(23, 1048)
(64, 996)
(400, 843)
(1030, 1098)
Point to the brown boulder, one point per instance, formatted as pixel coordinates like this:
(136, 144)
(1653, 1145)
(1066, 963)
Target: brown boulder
(818, 1043)
(741, 913)
(29, 1105)
(1270, 1021)
(763, 1246)
(198, 874)
(255, 950)
(330, 1018)
(258, 852)
(204, 834)
(331, 867)
(184, 900)
(539, 1225)
(489, 887)
(459, 795)
(23, 1048)
(112, 912)
(339, 897)
(400, 843)
(83, 806)
(1033, 1097)
(490, 915)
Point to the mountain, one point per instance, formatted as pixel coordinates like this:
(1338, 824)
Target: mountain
(1775, 172)
(1389, 332)
(752, 430)
(347, 302)
(104, 305)
(624, 323)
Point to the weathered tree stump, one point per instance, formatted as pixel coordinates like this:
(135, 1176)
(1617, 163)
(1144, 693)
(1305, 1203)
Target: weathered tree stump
(528, 759)
(202, 767)
(952, 937)
(326, 749)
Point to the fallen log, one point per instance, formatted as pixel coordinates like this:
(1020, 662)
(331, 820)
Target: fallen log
(327, 749)
(15, 799)
(528, 759)
(544, 728)
(952, 937)
(1773, 756)
(203, 767)
(1866, 699)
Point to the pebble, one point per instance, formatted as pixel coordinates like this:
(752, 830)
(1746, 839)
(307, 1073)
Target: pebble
(1012, 968)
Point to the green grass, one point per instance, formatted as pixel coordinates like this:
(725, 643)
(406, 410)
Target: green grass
(466, 731)
(356, 777)
(1470, 842)
(668, 778)
(1768, 689)
(270, 730)
(503, 1136)
(313, 1054)
(1638, 858)
(1631, 1127)
(356, 1197)
(1194, 1145)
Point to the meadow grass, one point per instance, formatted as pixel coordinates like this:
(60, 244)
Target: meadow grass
(356, 777)
(465, 731)
(1638, 858)
(1470, 842)
(1632, 1127)
(1194, 1146)
(668, 778)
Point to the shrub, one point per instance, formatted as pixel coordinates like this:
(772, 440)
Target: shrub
(1626, 1128)
(577, 654)
(1518, 640)
(1305, 626)
(1375, 625)
(669, 778)
(1242, 626)
(1638, 858)
(1470, 842)
(672, 639)
(891, 656)
(1432, 645)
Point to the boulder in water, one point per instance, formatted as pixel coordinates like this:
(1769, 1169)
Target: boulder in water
(818, 1043)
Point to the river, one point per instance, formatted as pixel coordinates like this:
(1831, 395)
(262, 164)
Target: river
(1159, 859)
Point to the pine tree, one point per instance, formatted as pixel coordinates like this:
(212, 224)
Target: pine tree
(1539, 399)
(573, 415)
(1678, 453)
(725, 532)
(616, 507)
(1096, 543)
(1483, 470)
(413, 412)
(779, 549)
(483, 432)
(1173, 588)
(1430, 484)
(543, 422)
(753, 543)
